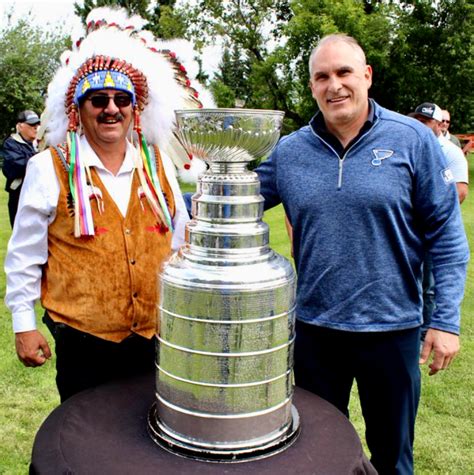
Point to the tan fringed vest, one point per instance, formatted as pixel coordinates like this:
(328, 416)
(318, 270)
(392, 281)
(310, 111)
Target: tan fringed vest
(106, 285)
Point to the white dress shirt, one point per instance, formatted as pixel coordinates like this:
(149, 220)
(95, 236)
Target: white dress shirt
(28, 246)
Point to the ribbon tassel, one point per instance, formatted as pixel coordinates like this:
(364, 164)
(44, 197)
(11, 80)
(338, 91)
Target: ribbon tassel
(83, 219)
(149, 180)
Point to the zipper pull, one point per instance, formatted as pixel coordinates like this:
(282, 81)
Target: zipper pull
(339, 181)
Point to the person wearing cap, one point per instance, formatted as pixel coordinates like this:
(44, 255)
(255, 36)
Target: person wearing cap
(365, 190)
(431, 115)
(16, 151)
(101, 208)
(445, 123)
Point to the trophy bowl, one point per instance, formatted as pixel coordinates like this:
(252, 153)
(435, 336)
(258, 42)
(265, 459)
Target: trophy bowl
(228, 135)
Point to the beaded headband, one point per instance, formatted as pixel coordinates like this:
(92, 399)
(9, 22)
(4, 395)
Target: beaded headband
(103, 72)
(107, 79)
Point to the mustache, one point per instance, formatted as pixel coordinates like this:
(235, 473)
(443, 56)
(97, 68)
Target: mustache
(103, 117)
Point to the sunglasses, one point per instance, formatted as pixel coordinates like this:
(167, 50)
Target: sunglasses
(446, 121)
(101, 101)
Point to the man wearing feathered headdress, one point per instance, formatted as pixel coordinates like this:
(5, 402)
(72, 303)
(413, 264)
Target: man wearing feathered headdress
(100, 211)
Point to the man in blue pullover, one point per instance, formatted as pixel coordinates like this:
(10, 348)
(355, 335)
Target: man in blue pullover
(366, 191)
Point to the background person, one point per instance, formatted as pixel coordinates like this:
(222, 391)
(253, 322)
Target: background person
(431, 115)
(17, 150)
(445, 123)
(364, 191)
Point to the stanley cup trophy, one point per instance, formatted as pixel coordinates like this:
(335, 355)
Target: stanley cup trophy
(224, 381)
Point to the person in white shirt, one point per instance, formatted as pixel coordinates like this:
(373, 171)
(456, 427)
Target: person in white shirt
(458, 165)
(100, 209)
(431, 115)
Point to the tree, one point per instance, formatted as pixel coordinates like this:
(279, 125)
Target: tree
(29, 57)
(139, 7)
(420, 50)
(231, 85)
(166, 22)
(163, 20)
(253, 27)
(312, 20)
(276, 41)
(432, 59)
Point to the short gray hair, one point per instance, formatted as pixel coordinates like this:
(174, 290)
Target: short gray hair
(334, 38)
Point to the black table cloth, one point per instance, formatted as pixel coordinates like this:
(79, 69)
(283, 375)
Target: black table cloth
(104, 431)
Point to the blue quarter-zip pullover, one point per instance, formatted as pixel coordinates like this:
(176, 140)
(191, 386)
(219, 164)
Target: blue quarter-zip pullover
(362, 218)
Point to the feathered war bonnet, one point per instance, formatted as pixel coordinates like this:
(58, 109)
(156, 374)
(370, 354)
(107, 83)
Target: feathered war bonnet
(115, 53)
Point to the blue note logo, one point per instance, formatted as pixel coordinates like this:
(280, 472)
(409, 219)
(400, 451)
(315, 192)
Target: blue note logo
(380, 155)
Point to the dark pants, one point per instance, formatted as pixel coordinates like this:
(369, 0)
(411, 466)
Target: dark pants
(13, 199)
(84, 361)
(385, 367)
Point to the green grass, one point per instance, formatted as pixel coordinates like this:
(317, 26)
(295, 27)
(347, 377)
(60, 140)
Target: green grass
(26, 395)
(445, 425)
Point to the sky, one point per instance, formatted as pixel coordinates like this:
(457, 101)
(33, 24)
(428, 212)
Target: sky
(56, 13)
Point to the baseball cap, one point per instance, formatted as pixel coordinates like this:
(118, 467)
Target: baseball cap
(29, 117)
(429, 110)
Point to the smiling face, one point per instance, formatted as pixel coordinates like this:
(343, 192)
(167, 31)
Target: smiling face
(108, 125)
(340, 81)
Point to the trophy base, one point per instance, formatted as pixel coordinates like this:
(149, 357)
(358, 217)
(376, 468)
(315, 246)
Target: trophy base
(162, 437)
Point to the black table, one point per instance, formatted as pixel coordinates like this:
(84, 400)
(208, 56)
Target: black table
(104, 431)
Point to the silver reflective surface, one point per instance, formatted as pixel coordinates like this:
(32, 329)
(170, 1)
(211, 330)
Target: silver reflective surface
(229, 135)
(224, 380)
